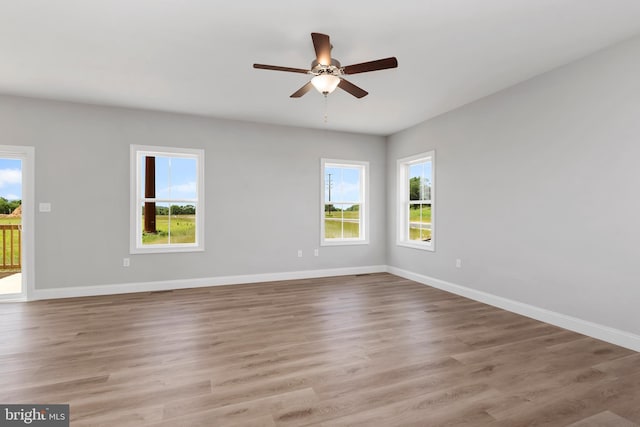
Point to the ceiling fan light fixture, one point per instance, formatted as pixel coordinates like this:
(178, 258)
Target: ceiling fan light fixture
(325, 83)
(327, 72)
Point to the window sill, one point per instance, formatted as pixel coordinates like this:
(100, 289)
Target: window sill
(422, 246)
(165, 250)
(344, 242)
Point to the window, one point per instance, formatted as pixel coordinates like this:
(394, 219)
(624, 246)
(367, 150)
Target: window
(167, 199)
(415, 200)
(344, 202)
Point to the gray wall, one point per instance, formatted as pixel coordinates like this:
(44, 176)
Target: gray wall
(537, 191)
(262, 193)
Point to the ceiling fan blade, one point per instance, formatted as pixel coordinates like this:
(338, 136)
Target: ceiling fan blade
(322, 45)
(380, 64)
(352, 89)
(304, 89)
(277, 68)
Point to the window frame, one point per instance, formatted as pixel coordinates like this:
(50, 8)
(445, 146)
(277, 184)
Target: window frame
(403, 200)
(137, 152)
(363, 167)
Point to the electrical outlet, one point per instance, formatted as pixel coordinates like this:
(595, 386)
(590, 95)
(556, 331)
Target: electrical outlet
(316, 252)
(458, 263)
(126, 262)
(299, 253)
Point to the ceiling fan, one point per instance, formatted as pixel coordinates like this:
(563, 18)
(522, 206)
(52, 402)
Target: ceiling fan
(328, 73)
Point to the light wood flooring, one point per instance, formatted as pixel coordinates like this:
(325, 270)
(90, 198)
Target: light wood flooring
(370, 350)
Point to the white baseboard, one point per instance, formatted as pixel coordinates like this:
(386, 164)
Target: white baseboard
(126, 288)
(594, 330)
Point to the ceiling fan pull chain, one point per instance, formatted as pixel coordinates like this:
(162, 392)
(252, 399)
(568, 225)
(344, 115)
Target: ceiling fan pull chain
(326, 108)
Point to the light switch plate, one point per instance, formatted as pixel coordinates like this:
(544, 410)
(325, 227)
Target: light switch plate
(45, 207)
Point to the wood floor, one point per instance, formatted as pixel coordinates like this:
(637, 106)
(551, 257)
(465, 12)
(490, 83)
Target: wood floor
(370, 350)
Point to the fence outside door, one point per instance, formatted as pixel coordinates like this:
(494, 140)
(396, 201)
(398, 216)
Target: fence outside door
(11, 242)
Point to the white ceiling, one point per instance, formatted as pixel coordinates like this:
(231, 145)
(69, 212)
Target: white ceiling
(196, 56)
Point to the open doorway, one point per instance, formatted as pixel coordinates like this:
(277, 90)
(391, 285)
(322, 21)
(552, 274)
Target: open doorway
(10, 226)
(15, 169)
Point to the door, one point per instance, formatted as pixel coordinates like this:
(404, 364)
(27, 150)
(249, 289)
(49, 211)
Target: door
(16, 221)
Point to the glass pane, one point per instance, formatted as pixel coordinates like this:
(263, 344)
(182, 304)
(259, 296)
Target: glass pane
(155, 224)
(420, 222)
(163, 224)
(420, 181)
(331, 176)
(163, 177)
(415, 178)
(332, 222)
(426, 181)
(175, 178)
(415, 225)
(182, 222)
(350, 185)
(341, 221)
(183, 179)
(425, 219)
(342, 184)
(143, 172)
(351, 221)
(174, 223)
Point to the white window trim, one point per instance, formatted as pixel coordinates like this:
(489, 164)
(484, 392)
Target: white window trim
(402, 238)
(136, 199)
(364, 204)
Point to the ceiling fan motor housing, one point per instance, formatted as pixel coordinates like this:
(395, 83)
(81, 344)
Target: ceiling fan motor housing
(334, 68)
